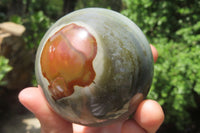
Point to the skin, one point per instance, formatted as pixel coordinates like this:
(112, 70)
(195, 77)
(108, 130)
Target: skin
(147, 118)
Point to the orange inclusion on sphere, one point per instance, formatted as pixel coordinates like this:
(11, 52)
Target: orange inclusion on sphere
(66, 60)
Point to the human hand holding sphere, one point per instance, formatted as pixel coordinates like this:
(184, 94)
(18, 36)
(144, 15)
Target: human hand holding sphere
(92, 75)
(147, 118)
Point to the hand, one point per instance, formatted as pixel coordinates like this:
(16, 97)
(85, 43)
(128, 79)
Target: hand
(147, 118)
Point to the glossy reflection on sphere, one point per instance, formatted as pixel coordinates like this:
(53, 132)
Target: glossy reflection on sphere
(95, 66)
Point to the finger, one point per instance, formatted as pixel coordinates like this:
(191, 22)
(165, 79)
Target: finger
(29, 97)
(32, 98)
(154, 52)
(113, 128)
(131, 126)
(149, 115)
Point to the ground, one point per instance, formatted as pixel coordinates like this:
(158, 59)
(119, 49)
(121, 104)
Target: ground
(14, 118)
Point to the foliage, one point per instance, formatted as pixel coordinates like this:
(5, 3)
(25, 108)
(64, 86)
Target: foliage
(176, 80)
(2, 12)
(4, 68)
(110, 4)
(36, 16)
(37, 24)
(51, 8)
(174, 28)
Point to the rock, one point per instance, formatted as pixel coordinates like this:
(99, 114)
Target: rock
(14, 29)
(13, 47)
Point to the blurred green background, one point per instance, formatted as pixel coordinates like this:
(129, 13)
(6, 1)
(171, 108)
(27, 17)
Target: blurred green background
(172, 26)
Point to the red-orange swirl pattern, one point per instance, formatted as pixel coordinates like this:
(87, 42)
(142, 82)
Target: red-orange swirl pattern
(66, 60)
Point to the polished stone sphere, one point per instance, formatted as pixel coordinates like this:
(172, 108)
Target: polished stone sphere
(95, 66)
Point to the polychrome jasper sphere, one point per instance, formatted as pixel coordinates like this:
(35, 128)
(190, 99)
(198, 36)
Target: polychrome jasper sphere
(95, 66)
